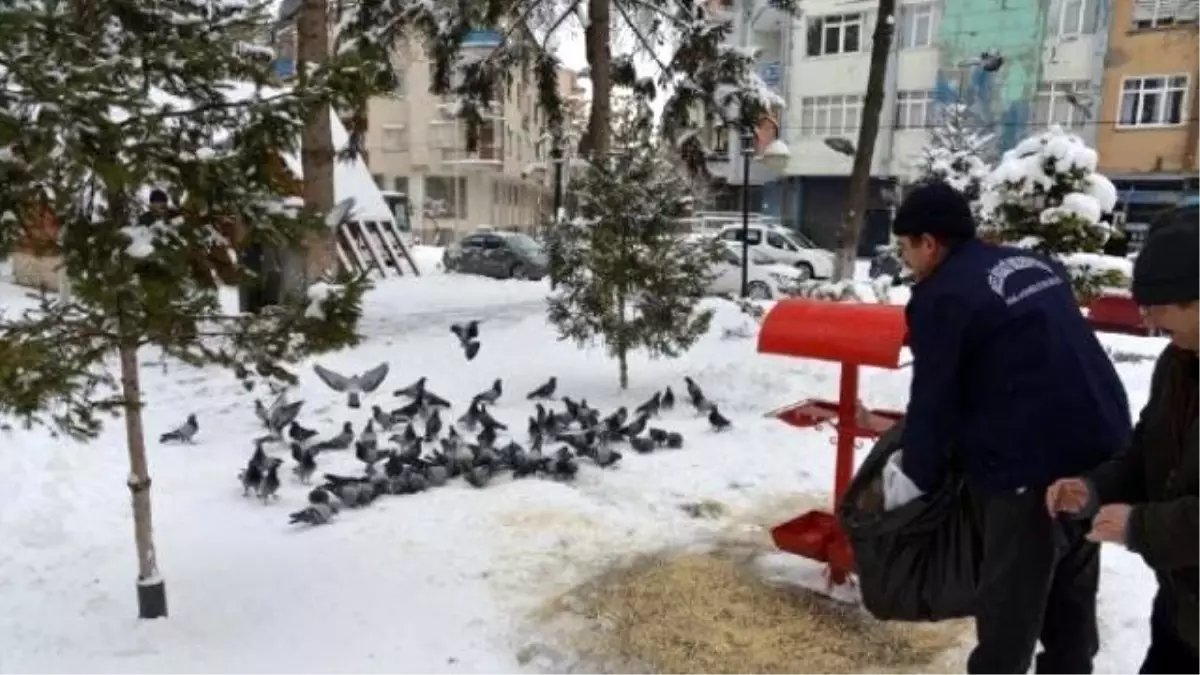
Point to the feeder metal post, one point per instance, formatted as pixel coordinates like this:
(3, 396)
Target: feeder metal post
(847, 426)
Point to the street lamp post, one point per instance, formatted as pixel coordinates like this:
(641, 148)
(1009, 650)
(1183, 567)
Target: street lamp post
(747, 155)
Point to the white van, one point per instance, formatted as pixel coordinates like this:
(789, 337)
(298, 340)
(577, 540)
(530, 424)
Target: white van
(766, 278)
(784, 246)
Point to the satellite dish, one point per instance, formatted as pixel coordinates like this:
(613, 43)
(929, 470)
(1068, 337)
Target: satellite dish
(340, 213)
(840, 146)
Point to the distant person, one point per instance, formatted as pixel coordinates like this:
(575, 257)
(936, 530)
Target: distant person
(1146, 499)
(1007, 370)
(1118, 242)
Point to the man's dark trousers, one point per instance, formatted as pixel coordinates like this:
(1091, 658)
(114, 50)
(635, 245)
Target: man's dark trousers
(1038, 581)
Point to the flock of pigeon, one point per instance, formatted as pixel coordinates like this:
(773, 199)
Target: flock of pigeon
(416, 447)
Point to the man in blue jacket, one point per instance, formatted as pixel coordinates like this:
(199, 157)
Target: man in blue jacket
(1007, 372)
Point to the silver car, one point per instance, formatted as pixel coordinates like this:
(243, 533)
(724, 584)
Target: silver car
(502, 255)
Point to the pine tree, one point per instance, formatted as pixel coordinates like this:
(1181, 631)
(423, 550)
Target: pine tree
(99, 102)
(1047, 195)
(624, 276)
(956, 153)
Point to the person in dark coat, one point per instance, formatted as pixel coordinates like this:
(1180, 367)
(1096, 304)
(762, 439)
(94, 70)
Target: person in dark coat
(1007, 370)
(1146, 498)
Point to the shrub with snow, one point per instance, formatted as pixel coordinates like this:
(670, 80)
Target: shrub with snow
(1047, 195)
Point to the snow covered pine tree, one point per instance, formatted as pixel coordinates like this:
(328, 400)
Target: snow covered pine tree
(625, 276)
(1046, 195)
(99, 102)
(956, 153)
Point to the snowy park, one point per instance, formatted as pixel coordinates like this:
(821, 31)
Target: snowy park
(455, 579)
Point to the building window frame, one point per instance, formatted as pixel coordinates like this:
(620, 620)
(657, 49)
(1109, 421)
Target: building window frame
(1174, 83)
(1074, 17)
(914, 109)
(395, 137)
(1161, 14)
(840, 27)
(818, 115)
(1050, 103)
(911, 17)
(450, 192)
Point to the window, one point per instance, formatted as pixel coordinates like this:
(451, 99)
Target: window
(835, 34)
(378, 178)
(913, 108)
(917, 25)
(1053, 104)
(721, 141)
(830, 115)
(395, 138)
(448, 194)
(398, 81)
(1152, 101)
(731, 234)
(1164, 13)
(776, 241)
(400, 184)
(1073, 17)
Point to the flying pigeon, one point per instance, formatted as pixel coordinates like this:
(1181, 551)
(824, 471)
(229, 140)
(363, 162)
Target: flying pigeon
(340, 442)
(183, 434)
(433, 426)
(382, 419)
(468, 337)
(277, 417)
(544, 391)
(300, 434)
(355, 386)
(413, 390)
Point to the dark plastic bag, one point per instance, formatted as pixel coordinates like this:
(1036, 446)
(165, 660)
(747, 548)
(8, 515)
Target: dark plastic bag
(917, 562)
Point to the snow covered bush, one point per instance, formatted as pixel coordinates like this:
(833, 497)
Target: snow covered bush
(956, 153)
(622, 274)
(1047, 195)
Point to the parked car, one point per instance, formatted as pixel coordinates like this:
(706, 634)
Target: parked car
(784, 246)
(502, 255)
(767, 278)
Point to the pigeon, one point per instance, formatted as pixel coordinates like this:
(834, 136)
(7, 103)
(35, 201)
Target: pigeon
(489, 422)
(602, 455)
(490, 396)
(383, 420)
(368, 437)
(535, 429)
(268, 487)
(468, 337)
(413, 390)
(433, 427)
(572, 407)
(674, 440)
(279, 415)
(320, 513)
(306, 463)
(487, 437)
(340, 442)
(368, 454)
(300, 434)
(650, 407)
(470, 419)
(563, 464)
(479, 475)
(408, 438)
(407, 412)
(657, 435)
(637, 426)
(183, 434)
(253, 473)
(668, 400)
(436, 475)
(696, 396)
(615, 421)
(544, 391)
(642, 444)
(355, 386)
(432, 400)
(717, 420)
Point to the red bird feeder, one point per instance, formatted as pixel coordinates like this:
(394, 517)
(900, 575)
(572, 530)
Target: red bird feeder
(854, 335)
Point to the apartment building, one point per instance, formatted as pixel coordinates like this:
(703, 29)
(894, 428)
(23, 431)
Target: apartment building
(416, 145)
(1054, 57)
(1148, 138)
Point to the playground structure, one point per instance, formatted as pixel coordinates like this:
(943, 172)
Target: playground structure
(853, 335)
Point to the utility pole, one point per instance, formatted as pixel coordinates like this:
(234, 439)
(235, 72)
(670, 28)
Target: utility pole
(860, 175)
(302, 267)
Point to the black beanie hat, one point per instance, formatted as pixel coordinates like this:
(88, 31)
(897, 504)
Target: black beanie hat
(935, 209)
(1167, 269)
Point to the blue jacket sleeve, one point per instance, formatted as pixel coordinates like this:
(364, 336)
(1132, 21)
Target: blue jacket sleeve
(937, 328)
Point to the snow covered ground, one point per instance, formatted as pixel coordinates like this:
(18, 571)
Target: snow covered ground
(437, 582)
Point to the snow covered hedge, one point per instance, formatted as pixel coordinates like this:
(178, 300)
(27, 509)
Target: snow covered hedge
(1046, 195)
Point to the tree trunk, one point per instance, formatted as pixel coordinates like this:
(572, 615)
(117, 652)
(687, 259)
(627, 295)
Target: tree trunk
(302, 267)
(623, 366)
(151, 589)
(597, 44)
(860, 175)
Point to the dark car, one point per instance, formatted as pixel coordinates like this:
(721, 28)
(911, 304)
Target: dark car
(502, 255)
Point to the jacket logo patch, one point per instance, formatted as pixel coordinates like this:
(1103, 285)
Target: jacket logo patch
(1000, 272)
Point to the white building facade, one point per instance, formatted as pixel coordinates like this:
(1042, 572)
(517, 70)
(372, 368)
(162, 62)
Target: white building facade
(1054, 55)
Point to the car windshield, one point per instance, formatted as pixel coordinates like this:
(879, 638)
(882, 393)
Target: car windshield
(523, 244)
